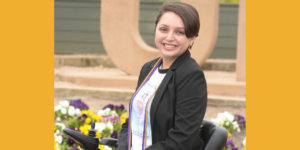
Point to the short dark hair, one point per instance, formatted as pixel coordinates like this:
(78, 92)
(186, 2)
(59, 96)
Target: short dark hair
(186, 12)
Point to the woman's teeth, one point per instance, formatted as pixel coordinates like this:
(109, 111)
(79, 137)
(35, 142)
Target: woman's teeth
(169, 46)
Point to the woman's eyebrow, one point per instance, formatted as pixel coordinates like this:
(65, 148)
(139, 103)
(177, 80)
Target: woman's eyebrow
(167, 26)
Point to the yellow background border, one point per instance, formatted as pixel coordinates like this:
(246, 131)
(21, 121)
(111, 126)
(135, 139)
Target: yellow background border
(272, 75)
(27, 70)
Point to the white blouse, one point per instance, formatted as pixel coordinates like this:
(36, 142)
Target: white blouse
(145, 94)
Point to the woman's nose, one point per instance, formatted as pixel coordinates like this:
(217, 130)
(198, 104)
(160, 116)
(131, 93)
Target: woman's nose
(170, 36)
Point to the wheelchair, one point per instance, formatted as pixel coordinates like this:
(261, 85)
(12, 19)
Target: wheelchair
(214, 136)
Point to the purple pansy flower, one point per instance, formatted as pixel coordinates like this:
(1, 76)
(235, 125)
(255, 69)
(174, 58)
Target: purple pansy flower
(114, 135)
(229, 143)
(241, 120)
(122, 107)
(78, 104)
(75, 148)
(70, 142)
(111, 106)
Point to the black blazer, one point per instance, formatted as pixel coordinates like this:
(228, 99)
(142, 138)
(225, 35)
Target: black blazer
(178, 107)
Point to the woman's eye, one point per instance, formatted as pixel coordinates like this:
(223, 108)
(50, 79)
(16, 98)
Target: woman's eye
(163, 29)
(180, 32)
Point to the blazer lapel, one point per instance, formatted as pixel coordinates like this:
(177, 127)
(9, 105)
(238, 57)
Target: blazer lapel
(158, 95)
(165, 82)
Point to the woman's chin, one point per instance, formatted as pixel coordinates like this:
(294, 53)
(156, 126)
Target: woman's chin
(169, 56)
(171, 53)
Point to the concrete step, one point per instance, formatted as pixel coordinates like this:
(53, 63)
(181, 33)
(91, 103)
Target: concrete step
(67, 90)
(218, 82)
(228, 65)
(113, 84)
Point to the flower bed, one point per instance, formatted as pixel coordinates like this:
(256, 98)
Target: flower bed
(233, 124)
(76, 115)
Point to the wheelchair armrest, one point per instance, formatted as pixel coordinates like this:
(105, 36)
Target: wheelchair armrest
(108, 141)
(219, 136)
(214, 135)
(87, 142)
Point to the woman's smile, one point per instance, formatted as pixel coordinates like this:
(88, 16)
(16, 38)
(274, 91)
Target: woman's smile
(169, 46)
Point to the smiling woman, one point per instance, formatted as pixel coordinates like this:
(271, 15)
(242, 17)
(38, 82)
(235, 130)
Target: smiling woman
(170, 101)
(176, 30)
(170, 38)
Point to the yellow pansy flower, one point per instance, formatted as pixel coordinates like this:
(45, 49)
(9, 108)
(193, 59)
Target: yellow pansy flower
(56, 146)
(229, 135)
(98, 134)
(123, 121)
(88, 120)
(96, 117)
(84, 112)
(99, 118)
(85, 129)
(101, 147)
(123, 118)
(90, 112)
(79, 147)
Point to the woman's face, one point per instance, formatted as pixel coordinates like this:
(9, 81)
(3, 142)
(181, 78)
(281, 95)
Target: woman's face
(170, 36)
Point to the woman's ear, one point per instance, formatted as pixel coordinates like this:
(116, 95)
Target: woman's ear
(192, 39)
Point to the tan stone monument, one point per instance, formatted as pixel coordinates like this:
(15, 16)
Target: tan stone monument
(126, 48)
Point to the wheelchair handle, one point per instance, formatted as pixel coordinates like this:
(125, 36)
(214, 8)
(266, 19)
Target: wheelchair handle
(90, 142)
(86, 142)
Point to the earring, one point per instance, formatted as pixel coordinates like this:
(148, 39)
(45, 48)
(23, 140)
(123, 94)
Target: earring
(190, 46)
